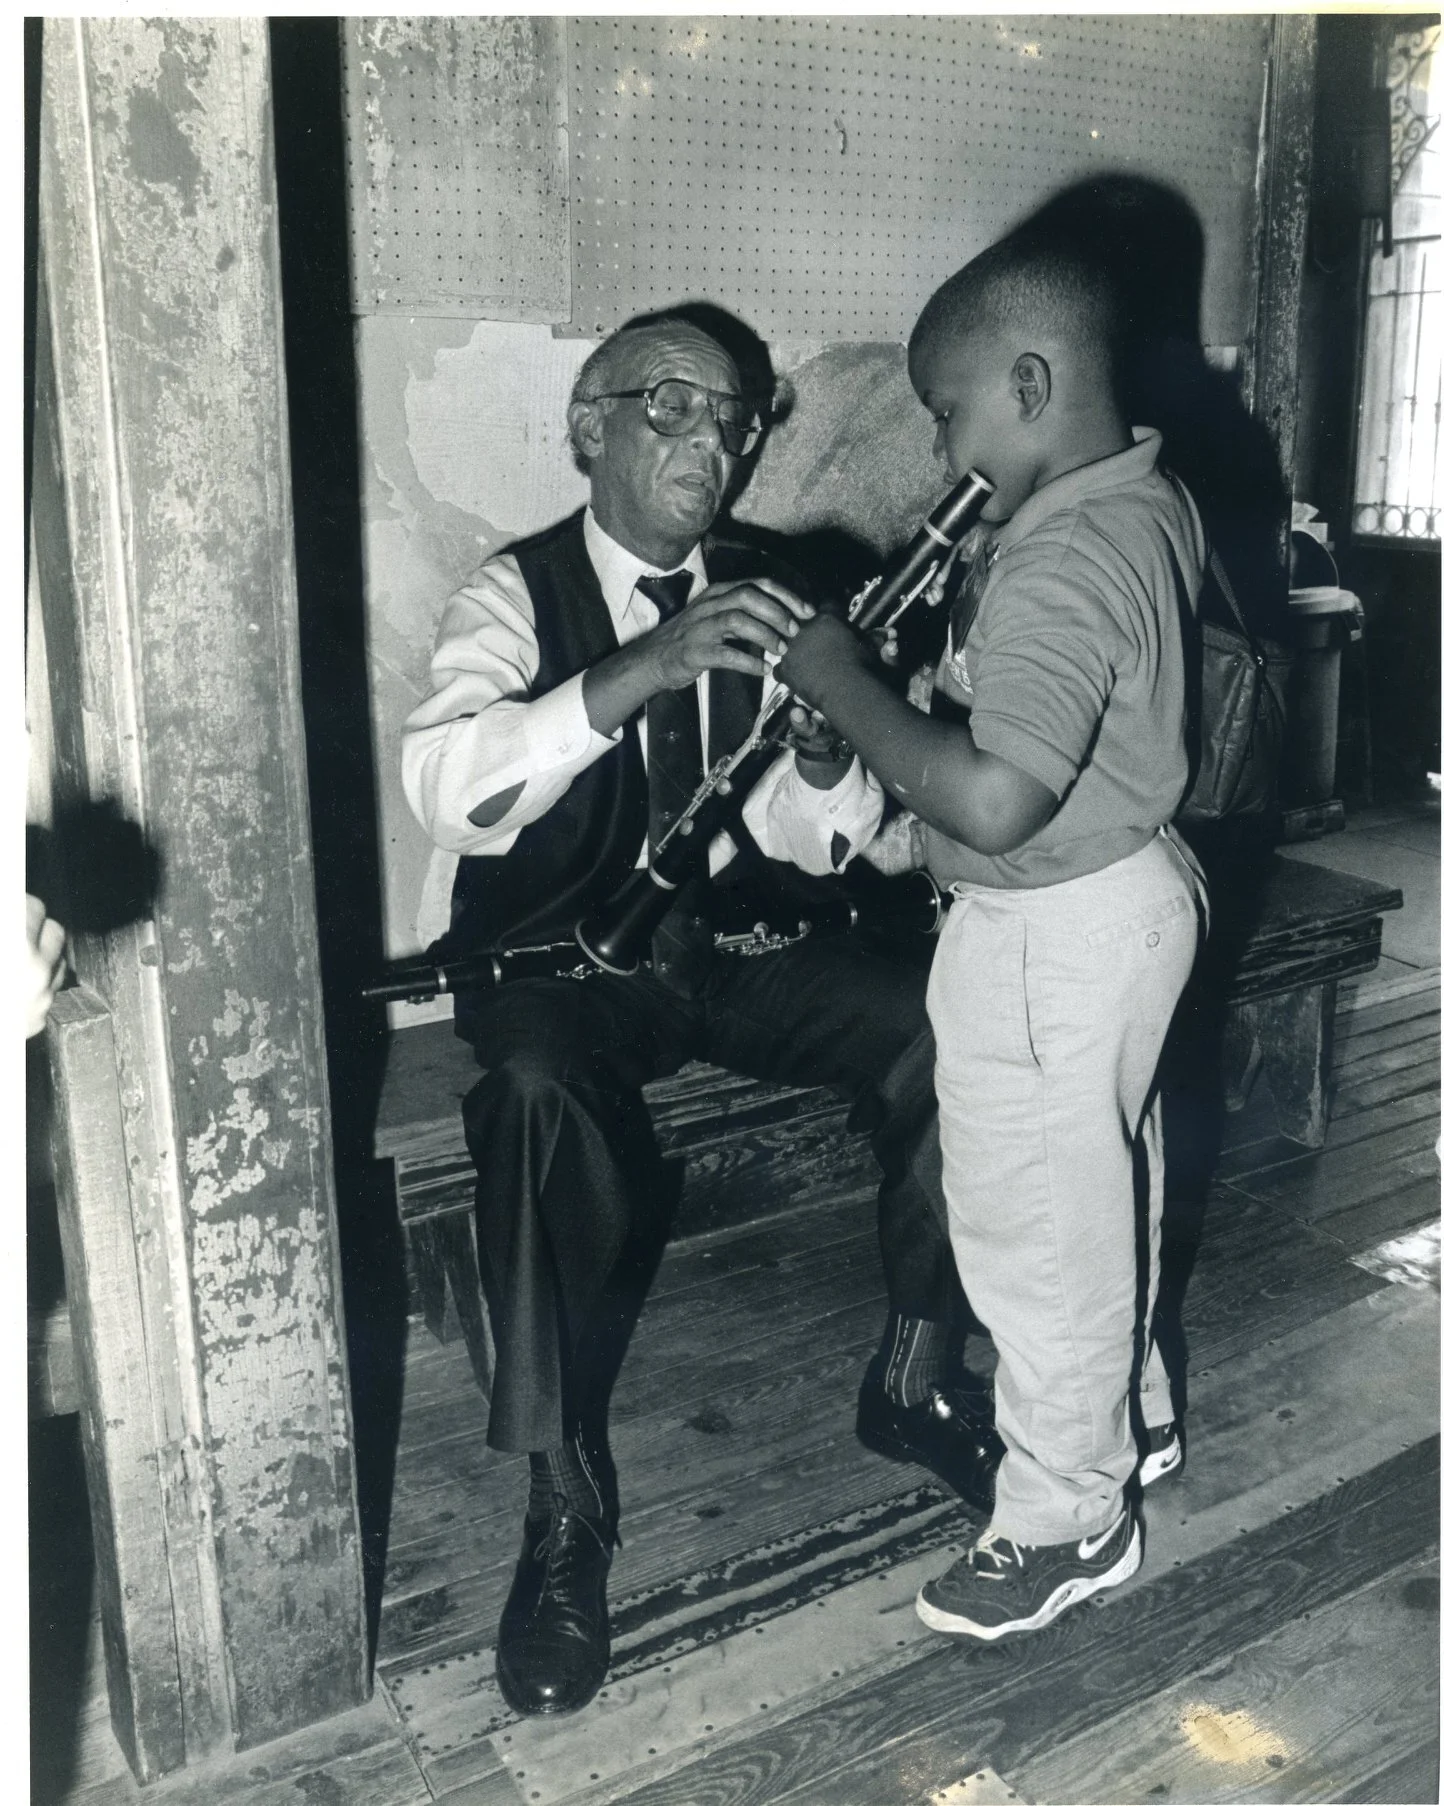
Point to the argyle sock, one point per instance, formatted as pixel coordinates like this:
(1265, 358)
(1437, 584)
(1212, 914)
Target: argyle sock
(913, 1354)
(564, 1474)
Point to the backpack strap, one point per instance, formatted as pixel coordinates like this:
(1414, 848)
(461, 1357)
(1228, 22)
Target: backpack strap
(1225, 588)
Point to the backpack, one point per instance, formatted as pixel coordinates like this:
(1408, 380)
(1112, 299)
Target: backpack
(1237, 712)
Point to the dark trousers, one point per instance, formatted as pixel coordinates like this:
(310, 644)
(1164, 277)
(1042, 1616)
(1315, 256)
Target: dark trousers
(568, 1170)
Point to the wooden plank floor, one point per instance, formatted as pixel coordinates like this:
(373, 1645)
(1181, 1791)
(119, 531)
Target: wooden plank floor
(1280, 1642)
(765, 1643)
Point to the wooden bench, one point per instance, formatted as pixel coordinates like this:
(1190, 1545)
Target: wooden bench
(738, 1149)
(1275, 955)
(744, 1149)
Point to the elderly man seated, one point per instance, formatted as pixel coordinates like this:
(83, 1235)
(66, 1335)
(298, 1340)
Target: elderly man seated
(580, 683)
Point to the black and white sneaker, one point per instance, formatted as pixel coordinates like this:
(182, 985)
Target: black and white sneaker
(1161, 1452)
(1001, 1586)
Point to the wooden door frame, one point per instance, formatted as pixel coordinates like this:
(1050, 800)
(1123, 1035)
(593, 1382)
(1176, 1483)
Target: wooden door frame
(165, 556)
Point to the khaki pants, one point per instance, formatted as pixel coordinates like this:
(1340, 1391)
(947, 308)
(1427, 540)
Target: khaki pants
(1050, 1007)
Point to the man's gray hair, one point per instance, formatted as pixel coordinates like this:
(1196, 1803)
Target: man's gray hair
(604, 369)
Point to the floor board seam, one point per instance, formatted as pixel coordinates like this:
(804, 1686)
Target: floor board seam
(1141, 1591)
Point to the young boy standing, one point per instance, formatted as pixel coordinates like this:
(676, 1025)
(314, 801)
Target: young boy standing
(1043, 781)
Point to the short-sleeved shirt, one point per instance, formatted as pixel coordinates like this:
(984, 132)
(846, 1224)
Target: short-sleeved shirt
(1073, 668)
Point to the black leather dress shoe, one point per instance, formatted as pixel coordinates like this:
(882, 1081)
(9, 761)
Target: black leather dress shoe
(553, 1644)
(950, 1432)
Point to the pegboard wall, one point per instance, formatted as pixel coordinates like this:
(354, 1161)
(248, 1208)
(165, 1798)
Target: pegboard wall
(818, 175)
(457, 158)
(821, 176)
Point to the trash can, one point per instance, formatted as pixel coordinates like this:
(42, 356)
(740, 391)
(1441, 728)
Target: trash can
(1323, 621)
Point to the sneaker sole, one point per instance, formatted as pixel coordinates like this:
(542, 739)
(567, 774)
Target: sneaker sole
(1159, 1466)
(1071, 1591)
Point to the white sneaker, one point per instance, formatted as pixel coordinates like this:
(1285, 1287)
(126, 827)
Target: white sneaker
(1162, 1453)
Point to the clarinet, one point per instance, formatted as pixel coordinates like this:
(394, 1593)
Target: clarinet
(615, 937)
(744, 923)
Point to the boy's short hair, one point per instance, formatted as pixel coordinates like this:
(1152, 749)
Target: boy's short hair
(1030, 283)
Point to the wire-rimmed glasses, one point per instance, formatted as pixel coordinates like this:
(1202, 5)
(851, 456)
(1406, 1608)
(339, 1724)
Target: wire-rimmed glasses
(676, 406)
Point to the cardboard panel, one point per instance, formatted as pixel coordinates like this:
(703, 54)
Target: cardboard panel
(456, 140)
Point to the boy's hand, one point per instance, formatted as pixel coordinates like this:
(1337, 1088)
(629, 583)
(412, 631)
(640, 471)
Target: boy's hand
(822, 755)
(821, 649)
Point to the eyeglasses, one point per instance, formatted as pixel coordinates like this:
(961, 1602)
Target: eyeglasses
(676, 406)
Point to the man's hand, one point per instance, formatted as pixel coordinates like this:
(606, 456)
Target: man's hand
(898, 847)
(825, 647)
(731, 627)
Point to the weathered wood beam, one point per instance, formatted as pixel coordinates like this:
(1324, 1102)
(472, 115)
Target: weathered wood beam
(50, 1362)
(69, 519)
(164, 548)
(122, 1469)
(1271, 378)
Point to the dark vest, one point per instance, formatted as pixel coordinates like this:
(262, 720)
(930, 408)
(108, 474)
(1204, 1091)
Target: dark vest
(582, 850)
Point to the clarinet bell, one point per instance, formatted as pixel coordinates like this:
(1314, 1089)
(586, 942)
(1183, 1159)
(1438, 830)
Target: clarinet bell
(615, 936)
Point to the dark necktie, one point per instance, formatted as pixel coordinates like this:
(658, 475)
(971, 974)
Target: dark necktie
(682, 946)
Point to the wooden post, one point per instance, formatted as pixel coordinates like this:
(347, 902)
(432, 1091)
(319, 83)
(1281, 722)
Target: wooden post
(164, 552)
(1272, 374)
(108, 1324)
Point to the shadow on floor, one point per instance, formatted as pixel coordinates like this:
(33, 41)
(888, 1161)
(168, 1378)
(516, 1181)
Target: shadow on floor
(62, 1588)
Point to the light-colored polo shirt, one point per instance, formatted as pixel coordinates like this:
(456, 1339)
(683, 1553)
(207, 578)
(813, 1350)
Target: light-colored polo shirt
(1073, 668)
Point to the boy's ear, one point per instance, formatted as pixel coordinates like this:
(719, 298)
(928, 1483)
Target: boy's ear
(584, 423)
(1032, 384)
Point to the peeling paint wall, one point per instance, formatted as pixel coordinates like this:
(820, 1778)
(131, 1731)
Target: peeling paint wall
(194, 293)
(463, 449)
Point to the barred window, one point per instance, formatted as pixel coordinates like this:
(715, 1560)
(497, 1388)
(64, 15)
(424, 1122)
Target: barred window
(1396, 472)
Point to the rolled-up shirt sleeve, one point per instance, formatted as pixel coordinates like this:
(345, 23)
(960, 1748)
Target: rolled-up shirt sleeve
(479, 737)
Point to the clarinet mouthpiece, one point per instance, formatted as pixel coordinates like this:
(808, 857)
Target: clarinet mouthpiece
(961, 508)
(907, 571)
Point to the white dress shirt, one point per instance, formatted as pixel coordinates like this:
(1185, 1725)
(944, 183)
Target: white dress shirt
(480, 733)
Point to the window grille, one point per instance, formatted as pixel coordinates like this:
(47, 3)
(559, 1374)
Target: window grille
(1396, 473)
